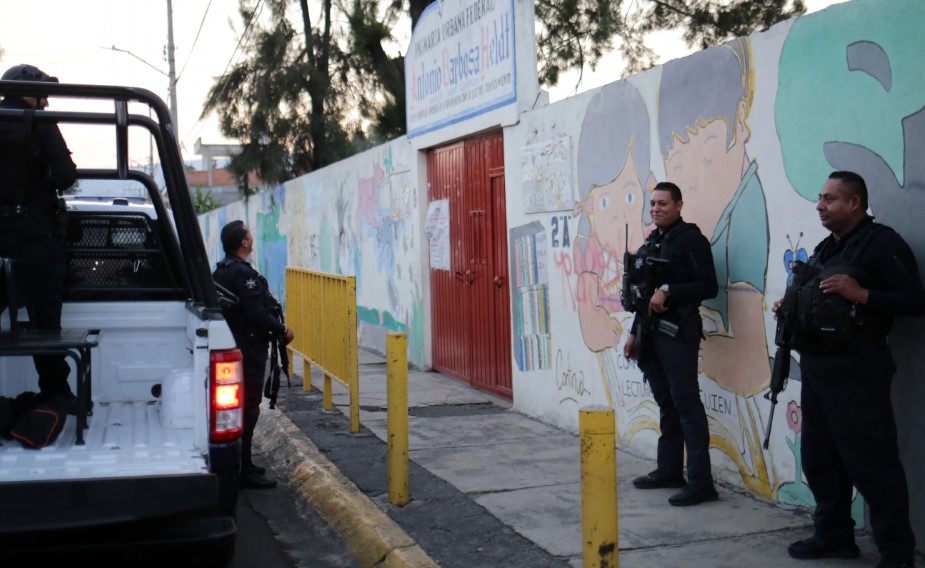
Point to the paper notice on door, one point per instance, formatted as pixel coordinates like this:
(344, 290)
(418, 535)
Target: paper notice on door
(437, 227)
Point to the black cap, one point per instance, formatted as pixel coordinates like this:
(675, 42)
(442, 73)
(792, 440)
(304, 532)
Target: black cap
(23, 72)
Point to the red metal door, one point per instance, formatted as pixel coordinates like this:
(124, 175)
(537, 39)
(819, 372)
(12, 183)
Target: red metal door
(474, 344)
(502, 294)
(449, 307)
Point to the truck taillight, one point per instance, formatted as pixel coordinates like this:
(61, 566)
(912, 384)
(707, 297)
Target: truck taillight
(226, 377)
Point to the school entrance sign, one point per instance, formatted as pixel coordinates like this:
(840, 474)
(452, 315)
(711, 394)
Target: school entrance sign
(460, 63)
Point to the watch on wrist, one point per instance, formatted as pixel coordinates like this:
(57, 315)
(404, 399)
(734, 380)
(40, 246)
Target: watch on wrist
(664, 288)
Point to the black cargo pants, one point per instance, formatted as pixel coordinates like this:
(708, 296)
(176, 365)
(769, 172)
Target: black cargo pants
(256, 353)
(671, 370)
(849, 438)
(39, 270)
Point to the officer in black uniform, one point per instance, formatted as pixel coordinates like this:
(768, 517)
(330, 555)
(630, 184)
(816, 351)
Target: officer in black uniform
(839, 310)
(665, 340)
(35, 164)
(252, 323)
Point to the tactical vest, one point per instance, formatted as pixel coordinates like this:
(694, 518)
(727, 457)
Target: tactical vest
(643, 270)
(828, 322)
(234, 313)
(19, 160)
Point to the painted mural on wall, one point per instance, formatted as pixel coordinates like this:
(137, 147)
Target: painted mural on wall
(364, 214)
(357, 217)
(701, 127)
(749, 131)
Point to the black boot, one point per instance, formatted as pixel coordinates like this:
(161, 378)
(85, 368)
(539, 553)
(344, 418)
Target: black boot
(252, 479)
(251, 466)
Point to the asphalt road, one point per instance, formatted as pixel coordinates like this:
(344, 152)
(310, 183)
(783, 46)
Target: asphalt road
(277, 529)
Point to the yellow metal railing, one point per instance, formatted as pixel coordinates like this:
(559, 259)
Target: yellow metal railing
(321, 309)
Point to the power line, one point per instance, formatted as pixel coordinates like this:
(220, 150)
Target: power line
(193, 48)
(200, 123)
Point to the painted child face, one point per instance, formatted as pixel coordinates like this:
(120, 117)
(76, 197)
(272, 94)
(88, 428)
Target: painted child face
(616, 205)
(706, 171)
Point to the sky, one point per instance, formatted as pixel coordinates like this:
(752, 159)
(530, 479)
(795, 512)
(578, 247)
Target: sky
(73, 40)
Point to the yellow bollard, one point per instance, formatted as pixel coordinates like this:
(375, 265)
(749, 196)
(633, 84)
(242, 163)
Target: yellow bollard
(328, 389)
(306, 370)
(397, 416)
(598, 487)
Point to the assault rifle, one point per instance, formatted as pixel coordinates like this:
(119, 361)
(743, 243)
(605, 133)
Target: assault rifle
(781, 371)
(279, 358)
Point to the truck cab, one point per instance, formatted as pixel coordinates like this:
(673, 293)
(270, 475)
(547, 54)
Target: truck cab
(152, 457)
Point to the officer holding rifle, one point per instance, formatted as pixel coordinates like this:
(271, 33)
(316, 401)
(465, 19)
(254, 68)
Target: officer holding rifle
(838, 312)
(667, 279)
(253, 323)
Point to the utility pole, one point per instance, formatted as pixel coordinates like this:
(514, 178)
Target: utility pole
(172, 71)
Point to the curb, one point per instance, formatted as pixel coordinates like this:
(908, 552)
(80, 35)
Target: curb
(374, 538)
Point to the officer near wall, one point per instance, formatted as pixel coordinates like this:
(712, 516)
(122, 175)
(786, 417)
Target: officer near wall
(672, 273)
(839, 310)
(35, 165)
(252, 323)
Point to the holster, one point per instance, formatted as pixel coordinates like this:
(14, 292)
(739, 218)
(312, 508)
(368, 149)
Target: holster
(682, 322)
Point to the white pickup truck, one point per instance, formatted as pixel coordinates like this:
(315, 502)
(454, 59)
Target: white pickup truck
(157, 464)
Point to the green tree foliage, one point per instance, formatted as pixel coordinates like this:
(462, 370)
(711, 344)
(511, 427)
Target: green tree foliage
(281, 101)
(571, 34)
(289, 100)
(371, 24)
(710, 22)
(575, 33)
(204, 202)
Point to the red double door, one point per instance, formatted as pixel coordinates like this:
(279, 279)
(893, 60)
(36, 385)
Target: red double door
(471, 302)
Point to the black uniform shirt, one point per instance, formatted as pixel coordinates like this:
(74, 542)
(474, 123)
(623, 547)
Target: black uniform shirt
(251, 319)
(37, 162)
(690, 272)
(891, 274)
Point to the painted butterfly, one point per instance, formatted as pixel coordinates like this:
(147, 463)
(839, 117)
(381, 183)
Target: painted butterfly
(793, 254)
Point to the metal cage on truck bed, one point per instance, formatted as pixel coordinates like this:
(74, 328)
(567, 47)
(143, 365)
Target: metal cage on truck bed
(118, 257)
(188, 266)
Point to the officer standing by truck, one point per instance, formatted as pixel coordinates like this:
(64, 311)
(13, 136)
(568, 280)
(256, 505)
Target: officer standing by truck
(677, 273)
(35, 165)
(839, 310)
(252, 323)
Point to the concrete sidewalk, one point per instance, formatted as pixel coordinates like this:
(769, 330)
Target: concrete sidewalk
(492, 487)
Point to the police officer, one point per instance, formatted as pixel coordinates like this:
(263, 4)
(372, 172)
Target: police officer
(665, 340)
(35, 164)
(252, 323)
(840, 308)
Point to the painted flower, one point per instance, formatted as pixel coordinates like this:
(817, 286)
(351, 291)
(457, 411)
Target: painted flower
(794, 417)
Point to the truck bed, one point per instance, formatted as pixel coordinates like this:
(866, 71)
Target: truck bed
(112, 448)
